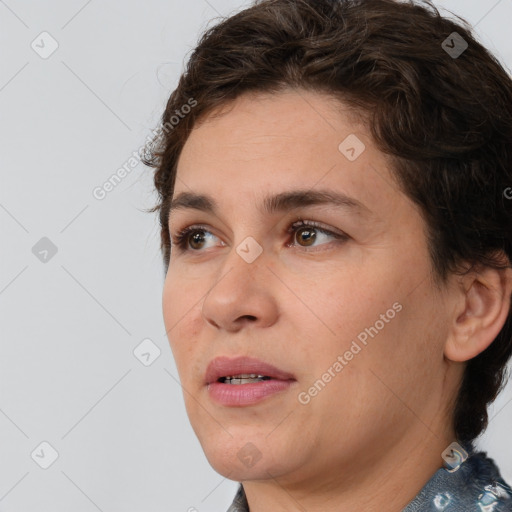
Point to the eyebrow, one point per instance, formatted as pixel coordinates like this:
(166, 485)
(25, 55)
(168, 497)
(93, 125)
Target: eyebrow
(280, 202)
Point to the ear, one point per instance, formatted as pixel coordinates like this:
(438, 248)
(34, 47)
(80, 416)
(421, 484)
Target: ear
(483, 305)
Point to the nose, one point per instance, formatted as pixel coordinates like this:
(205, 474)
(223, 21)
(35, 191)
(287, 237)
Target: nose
(243, 294)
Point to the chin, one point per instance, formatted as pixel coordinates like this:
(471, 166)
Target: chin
(243, 457)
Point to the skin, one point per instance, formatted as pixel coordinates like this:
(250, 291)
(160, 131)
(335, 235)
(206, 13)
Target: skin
(374, 435)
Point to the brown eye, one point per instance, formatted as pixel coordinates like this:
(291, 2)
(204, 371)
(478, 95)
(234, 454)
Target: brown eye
(190, 238)
(306, 235)
(195, 237)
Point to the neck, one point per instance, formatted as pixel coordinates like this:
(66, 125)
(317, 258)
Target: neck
(386, 482)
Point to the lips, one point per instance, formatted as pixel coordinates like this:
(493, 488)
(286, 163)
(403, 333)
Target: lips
(222, 367)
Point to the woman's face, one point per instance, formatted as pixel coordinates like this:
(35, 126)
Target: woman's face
(346, 310)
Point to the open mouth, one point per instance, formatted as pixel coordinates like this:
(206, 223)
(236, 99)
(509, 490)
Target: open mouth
(245, 381)
(243, 370)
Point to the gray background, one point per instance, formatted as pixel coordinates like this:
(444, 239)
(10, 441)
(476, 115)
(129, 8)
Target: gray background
(70, 324)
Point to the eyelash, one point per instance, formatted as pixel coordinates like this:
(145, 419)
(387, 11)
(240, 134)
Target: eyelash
(181, 238)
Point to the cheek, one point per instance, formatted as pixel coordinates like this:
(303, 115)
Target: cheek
(179, 305)
(376, 314)
(345, 327)
(351, 301)
(402, 362)
(180, 294)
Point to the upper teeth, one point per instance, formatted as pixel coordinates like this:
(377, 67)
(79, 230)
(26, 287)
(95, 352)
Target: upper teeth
(245, 376)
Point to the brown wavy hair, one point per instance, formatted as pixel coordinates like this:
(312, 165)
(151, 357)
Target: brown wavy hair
(445, 121)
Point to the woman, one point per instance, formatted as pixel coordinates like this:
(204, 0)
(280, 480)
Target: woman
(336, 225)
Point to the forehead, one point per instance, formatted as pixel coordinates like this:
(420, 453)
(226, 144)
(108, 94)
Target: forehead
(260, 144)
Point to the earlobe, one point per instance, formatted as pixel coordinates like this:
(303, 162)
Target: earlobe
(485, 298)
